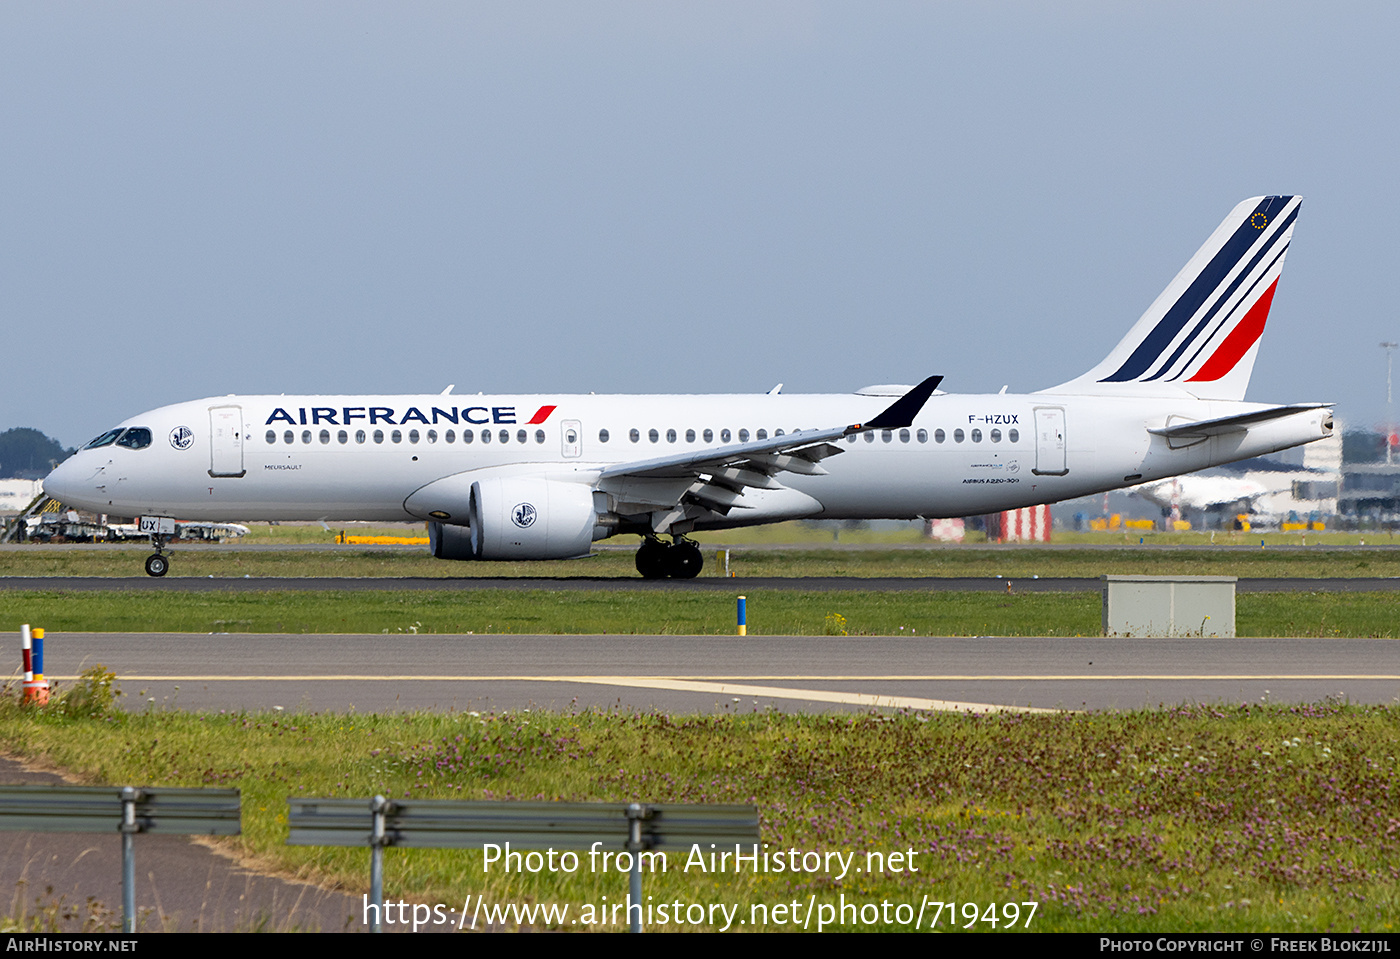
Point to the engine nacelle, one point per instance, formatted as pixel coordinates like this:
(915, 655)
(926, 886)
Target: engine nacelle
(446, 541)
(521, 518)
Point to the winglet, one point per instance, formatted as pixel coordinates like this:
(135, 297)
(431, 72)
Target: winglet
(902, 411)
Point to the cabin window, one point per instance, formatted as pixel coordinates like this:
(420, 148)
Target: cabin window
(634, 436)
(396, 436)
(1014, 436)
(504, 436)
(976, 436)
(343, 437)
(886, 435)
(778, 433)
(904, 436)
(922, 436)
(708, 436)
(761, 435)
(957, 436)
(996, 436)
(653, 435)
(851, 438)
(432, 436)
(325, 437)
(359, 436)
(271, 437)
(602, 436)
(939, 436)
(539, 436)
(379, 436)
(690, 436)
(724, 436)
(870, 436)
(413, 436)
(306, 436)
(450, 436)
(670, 436)
(467, 436)
(521, 436)
(743, 436)
(485, 436)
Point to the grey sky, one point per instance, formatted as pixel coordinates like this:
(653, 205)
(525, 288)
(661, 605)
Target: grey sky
(210, 198)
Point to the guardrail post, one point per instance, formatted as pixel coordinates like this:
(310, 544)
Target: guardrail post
(379, 807)
(129, 829)
(636, 812)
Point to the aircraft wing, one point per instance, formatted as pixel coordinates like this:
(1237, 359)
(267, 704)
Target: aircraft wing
(772, 455)
(715, 478)
(1233, 424)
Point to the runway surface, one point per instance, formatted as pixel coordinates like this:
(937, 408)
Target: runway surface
(709, 674)
(192, 584)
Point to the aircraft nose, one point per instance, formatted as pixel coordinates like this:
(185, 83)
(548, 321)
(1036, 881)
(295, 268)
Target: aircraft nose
(60, 484)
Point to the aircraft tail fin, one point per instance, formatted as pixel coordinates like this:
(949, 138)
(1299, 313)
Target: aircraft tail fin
(1201, 334)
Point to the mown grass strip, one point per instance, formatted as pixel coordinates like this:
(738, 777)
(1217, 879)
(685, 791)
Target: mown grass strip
(1194, 818)
(771, 612)
(927, 561)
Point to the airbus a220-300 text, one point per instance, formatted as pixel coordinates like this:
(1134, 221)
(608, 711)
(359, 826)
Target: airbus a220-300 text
(544, 477)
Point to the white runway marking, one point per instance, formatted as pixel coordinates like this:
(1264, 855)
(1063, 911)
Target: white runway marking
(633, 680)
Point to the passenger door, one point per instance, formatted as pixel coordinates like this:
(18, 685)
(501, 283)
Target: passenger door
(226, 441)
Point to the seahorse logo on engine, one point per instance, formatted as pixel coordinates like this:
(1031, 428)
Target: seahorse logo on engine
(523, 515)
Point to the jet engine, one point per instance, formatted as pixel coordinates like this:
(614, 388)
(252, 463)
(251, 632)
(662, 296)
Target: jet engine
(520, 518)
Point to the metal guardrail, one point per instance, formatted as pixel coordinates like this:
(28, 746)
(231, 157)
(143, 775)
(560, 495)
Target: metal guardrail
(126, 810)
(448, 824)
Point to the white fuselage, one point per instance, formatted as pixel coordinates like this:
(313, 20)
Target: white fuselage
(363, 457)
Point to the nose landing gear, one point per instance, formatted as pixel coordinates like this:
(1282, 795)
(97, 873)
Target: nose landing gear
(158, 564)
(678, 559)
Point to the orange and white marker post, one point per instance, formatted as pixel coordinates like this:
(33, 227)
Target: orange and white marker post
(36, 687)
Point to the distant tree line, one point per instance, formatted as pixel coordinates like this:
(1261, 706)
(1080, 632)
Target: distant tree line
(29, 454)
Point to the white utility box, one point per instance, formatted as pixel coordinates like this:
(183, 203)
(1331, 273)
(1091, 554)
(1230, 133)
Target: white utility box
(1169, 606)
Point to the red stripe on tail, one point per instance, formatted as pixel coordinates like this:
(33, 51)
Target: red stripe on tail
(1237, 344)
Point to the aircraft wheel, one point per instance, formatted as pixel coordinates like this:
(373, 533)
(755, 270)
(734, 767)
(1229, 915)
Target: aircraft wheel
(686, 561)
(653, 559)
(157, 565)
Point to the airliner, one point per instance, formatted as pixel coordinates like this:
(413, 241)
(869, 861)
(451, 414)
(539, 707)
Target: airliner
(516, 477)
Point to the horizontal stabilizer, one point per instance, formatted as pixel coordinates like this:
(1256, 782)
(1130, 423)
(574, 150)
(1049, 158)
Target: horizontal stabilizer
(1233, 424)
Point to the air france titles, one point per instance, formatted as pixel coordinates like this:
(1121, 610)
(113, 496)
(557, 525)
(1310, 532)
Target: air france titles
(374, 415)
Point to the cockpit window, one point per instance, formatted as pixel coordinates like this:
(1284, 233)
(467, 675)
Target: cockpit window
(106, 439)
(135, 438)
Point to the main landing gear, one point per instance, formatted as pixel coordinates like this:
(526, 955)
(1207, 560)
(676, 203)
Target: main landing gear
(157, 564)
(678, 559)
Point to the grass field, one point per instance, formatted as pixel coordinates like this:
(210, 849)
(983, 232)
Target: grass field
(1189, 819)
(886, 533)
(1245, 818)
(771, 612)
(911, 560)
